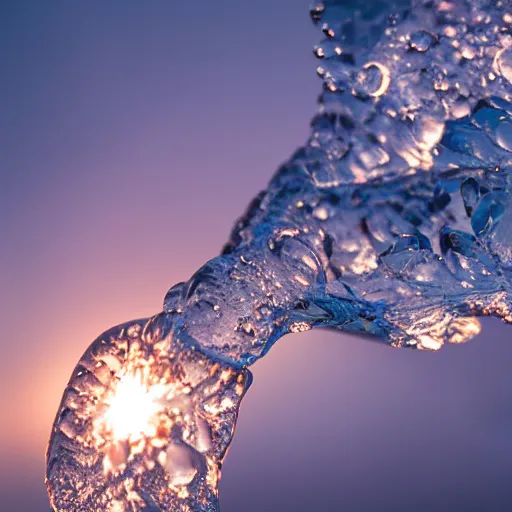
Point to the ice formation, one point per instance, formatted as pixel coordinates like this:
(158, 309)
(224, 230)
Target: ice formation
(394, 220)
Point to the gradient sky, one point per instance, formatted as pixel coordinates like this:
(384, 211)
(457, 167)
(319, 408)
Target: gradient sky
(132, 134)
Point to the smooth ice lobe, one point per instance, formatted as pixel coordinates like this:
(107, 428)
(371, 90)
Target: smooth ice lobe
(394, 220)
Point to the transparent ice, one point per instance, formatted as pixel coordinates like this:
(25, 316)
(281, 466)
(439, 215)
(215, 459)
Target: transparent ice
(394, 220)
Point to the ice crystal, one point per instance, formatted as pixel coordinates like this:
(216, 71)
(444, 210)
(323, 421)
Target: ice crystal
(394, 220)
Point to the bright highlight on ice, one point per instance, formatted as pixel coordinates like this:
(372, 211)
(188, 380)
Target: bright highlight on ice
(132, 409)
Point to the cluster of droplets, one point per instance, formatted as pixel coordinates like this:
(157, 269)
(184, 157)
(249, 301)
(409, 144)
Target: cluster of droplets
(395, 72)
(394, 220)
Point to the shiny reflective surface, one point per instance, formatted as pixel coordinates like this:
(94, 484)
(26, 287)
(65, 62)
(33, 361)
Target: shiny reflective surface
(409, 257)
(144, 424)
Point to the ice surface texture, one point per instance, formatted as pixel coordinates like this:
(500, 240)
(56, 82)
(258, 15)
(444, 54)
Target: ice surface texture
(394, 220)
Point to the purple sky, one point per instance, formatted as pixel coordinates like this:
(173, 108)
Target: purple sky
(132, 135)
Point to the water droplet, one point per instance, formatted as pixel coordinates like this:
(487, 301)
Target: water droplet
(319, 52)
(503, 63)
(504, 135)
(421, 41)
(179, 464)
(321, 213)
(329, 32)
(470, 194)
(373, 79)
(316, 11)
